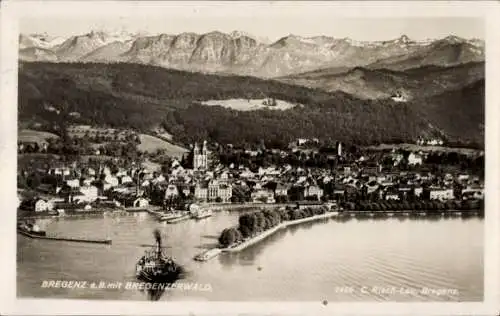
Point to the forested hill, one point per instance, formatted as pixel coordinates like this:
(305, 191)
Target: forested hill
(144, 97)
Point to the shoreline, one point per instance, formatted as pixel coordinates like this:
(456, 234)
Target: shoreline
(273, 230)
(340, 214)
(216, 207)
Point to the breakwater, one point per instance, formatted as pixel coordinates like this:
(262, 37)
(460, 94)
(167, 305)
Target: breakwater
(249, 242)
(70, 239)
(76, 214)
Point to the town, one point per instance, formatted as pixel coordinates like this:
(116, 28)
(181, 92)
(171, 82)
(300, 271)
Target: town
(93, 171)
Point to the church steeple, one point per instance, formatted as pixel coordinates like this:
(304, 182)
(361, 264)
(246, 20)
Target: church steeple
(200, 156)
(204, 149)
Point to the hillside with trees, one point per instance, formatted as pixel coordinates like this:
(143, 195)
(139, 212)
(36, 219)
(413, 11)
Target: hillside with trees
(145, 97)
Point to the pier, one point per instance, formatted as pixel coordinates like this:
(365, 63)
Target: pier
(179, 219)
(70, 239)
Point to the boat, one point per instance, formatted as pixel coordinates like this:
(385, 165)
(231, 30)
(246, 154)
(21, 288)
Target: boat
(169, 213)
(202, 213)
(207, 255)
(31, 229)
(26, 228)
(156, 266)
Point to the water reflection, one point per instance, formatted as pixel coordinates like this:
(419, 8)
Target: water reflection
(208, 242)
(155, 294)
(307, 225)
(227, 260)
(155, 290)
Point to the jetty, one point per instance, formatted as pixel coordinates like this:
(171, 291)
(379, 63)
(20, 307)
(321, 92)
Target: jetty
(178, 219)
(208, 254)
(70, 239)
(139, 209)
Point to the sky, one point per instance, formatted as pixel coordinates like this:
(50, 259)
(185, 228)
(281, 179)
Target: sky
(260, 22)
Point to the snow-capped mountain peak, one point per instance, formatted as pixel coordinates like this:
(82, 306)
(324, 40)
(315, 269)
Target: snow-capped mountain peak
(454, 39)
(234, 53)
(107, 37)
(237, 34)
(40, 40)
(404, 39)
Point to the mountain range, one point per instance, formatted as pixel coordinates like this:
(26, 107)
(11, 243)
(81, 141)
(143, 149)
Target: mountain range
(370, 83)
(242, 54)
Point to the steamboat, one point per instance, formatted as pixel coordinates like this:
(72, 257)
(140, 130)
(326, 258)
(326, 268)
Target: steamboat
(156, 266)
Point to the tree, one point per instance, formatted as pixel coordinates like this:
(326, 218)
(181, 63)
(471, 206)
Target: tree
(281, 199)
(248, 224)
(245, 231)
(33, 181)
(229, 236)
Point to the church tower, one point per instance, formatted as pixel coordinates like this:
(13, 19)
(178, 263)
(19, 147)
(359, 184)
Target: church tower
(200, 156)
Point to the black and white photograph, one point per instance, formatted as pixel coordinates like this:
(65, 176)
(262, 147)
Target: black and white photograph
(250, 152)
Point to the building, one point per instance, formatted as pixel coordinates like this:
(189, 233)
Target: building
(73, 183)
(225, 192)
(441, 194)
(263, 196)
(64, 171)
(201, 192)
(339, 149)
(213, 191)
(200, 157)
(313, 191)
(125, 179)
(43, 206)
(219, 190)
(417, 191)
(473, 192)
(86, 194)
(171, 191)
(392, 196)
(110, 182)
(281, 190)
(141, 202)
(302, 141)
(414, 159)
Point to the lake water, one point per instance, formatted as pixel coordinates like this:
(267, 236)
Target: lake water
(355, 260)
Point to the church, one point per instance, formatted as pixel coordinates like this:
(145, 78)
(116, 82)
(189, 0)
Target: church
(200, 157)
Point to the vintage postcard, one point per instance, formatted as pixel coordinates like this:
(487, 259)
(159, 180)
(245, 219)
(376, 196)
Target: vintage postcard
(250, 157)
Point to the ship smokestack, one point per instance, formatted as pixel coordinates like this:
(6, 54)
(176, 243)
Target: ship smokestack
(157, 235)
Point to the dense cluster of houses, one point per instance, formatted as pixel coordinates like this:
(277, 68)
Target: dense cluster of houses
(85, 186)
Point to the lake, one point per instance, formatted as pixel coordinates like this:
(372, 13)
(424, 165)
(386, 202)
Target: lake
(336, 260)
